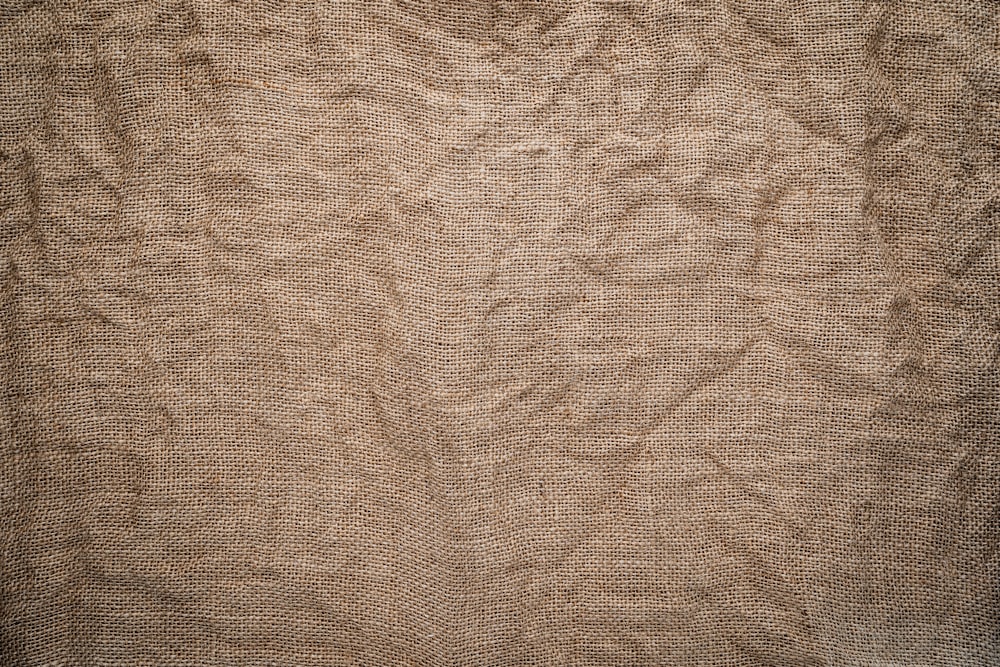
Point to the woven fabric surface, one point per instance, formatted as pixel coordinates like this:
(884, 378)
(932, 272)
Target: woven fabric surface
(524, 332)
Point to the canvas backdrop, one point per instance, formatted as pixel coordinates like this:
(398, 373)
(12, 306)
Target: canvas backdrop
(551, 332)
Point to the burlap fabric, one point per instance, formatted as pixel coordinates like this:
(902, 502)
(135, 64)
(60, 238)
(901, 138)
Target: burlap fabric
(550, 332)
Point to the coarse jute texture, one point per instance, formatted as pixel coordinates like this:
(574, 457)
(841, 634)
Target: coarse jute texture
(552, 332)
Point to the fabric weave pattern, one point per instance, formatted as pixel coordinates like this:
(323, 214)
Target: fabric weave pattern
(525, 332)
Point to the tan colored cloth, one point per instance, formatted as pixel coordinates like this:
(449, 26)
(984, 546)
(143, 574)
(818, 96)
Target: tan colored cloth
(548, 332)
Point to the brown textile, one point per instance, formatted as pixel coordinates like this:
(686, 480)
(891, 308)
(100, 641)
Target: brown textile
(551, 332)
